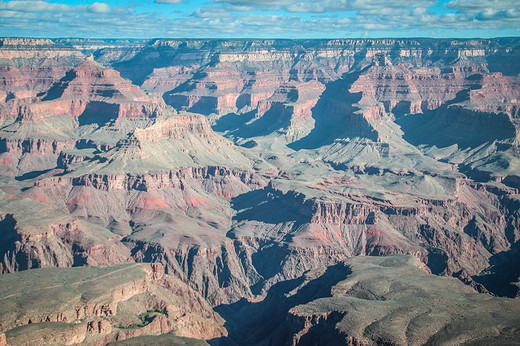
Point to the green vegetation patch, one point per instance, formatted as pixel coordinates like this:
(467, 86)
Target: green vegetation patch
(144, 319)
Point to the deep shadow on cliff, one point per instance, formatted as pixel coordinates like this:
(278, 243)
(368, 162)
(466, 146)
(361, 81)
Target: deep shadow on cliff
(336, 115)
(276, 118)
(96, 172)
(233, 122)
(502, 276)
(143, 63)
(455, 125)
(263, 323)
(270, 206)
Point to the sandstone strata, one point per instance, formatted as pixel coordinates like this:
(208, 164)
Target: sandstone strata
(89, 305)
(240, 165)
(425, 320)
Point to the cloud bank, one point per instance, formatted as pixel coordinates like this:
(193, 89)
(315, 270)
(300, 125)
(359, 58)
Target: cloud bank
(260, 18)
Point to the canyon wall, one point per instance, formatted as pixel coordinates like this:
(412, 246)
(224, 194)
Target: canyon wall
(240, 165)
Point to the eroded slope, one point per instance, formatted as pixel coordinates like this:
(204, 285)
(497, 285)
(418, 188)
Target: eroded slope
(240, 165)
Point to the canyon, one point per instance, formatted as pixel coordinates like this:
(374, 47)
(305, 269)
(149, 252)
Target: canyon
(260, 191)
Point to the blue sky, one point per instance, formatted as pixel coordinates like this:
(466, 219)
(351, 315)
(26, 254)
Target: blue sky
(260, 18)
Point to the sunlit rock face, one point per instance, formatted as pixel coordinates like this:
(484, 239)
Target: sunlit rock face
(241, 165)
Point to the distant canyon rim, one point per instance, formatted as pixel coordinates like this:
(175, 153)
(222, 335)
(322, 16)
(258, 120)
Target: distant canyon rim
(260, 192)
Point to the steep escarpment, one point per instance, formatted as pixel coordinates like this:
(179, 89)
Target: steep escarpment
(446, 233)
(126, 218)
(24, 84)
(234, 77)
(82, 89)
(242, 166)
(29, 68)
(360, 301)
(115, 203)
(419, 323)
(36, 130)
(276, 234)
(74, 305)
(37, 53)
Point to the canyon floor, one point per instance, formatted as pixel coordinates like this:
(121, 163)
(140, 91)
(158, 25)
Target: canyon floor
(239, 192)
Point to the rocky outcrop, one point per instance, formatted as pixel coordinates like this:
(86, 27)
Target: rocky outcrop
(321, 232)
(72, 243)
(34, 52)
(335, 149)
(85, 305)
(26, 83)
(402, 90)
(332, 320)
(83, 92)
(57, 245)
(400, 76)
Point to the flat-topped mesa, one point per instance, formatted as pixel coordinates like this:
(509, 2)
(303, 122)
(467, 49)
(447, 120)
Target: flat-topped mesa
(308, 95)
(464, 102)
(238, 78)
(177, 127)
(287, 111)
(93, 305)
(37, 52)
(165, 79)
(402, 90)
(29, 67)
(88, 96)
(237, 92)
(497, 93)
(242, 76)
(90, 80)
(88, 111)
(94, 94)
(357, 308)
(300, 96)
(25, 42)
(23, 84)
(92, 45)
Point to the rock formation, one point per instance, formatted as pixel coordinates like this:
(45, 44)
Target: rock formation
(93, 305)
(238, 166)
(370, 301)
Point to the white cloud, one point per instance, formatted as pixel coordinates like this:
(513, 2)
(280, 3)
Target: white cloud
(236, 18)
(248, 5)
(492, 14)
(323, 6)
(480, 5)
(488, 13)
(98, 7)
(211, 12)
(42, 6)
(259, 2)
(419, 11)
(14, 14)
(169, 1)
(34, 6)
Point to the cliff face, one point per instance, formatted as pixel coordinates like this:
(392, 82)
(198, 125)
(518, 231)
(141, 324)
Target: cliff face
(402, 76)
(87, 89)
(101, 304)
(360, 302)
(238, 166)
(330, 318)
(37, 53)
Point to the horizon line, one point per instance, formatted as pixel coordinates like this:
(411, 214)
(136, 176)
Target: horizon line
(265, 38)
